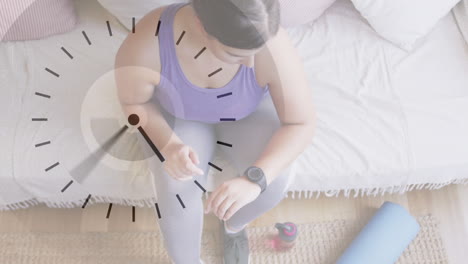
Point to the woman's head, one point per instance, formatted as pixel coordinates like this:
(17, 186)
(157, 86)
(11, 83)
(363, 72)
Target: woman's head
(237, 29)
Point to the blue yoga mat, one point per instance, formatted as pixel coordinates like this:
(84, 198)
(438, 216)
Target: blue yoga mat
(384, 238)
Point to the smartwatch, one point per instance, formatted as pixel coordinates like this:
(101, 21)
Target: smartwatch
(256, 175)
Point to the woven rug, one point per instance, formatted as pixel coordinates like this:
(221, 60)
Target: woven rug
(320, 242)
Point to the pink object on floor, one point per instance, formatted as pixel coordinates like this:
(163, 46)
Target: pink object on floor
(35, 19)
(285, 240)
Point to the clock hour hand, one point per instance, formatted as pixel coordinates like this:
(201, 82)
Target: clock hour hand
(133, 119)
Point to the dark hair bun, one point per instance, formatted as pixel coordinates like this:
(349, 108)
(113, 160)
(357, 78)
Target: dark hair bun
(242, 24)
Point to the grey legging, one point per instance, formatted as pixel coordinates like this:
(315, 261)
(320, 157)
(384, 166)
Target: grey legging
(182, 228)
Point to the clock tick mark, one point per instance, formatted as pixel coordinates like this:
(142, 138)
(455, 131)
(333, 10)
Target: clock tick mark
(66, 52)
(214, 166)
(133, 214)
(227, 119)
(224, 143)
(42, 144)
(52, 166)
(42, 95)
(180, 38)
(66, 186)
(157, 28)
(157, 210)
(109, 28)
(133, 25)
(86, 202)
(180, 201)
(201, 187)
(224, 95)
(39, 119)
(199, 53)
(86, 37)
(215, 72)
(52, 72)
(109, 211)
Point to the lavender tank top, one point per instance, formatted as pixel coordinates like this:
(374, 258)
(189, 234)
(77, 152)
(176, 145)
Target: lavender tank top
(178, 96)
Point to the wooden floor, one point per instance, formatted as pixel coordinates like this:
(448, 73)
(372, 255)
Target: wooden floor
(449, 205)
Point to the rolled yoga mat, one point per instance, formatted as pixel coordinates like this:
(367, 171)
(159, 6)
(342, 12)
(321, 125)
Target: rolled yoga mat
(384, 238)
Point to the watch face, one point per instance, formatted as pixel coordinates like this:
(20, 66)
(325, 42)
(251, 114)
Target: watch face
(255, 174)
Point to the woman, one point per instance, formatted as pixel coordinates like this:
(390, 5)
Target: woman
(215, 72)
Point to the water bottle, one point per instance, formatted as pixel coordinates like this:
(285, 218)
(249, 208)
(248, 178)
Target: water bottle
(287, 233)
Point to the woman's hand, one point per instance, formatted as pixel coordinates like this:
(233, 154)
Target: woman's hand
(181, 161)
(231, 196)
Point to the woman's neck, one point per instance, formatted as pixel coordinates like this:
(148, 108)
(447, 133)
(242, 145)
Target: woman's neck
(191, 24)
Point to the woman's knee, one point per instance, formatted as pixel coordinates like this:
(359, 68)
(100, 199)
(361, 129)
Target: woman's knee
(279, 186)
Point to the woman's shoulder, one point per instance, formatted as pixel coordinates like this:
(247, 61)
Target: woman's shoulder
(273, 54)
(138, 56)
(142, 47)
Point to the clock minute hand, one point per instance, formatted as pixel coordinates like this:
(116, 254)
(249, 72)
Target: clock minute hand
(133, 119)
(153, 147)
(82, 170)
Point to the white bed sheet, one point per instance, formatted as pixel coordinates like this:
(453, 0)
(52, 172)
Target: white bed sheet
(387, 120)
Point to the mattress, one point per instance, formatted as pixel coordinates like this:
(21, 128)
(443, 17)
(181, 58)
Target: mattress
(388, 120)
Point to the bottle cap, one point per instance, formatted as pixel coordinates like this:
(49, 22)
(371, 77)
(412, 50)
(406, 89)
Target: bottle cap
(287, 231)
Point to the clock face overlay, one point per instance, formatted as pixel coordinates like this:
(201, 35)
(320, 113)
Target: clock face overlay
(109, 138)
(102, 131)
(96, 124)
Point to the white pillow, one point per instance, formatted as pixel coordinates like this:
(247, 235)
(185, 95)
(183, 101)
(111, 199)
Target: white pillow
(403, 22)
(35, 19)
(460, 12)
(125, 10)
(298, 12)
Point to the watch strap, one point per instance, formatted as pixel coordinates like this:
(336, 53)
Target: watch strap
(261, 182)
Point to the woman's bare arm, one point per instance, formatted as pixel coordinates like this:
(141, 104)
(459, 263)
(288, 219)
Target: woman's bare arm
(281, 68)
(137, 72)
